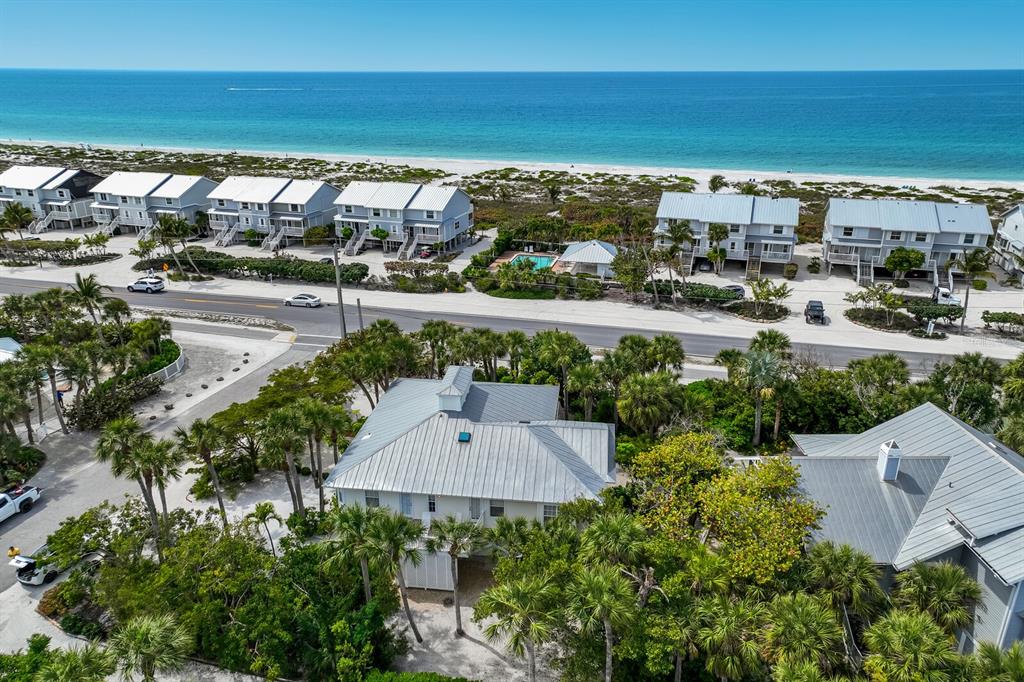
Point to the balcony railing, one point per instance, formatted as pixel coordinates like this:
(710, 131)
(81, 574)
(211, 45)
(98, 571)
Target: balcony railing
(776, 256)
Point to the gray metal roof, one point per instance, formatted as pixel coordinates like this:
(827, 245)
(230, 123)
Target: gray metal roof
(982, 486)
(518, 450)
(735, 209)
(594, 251)
(863, 511)
(913, 216)
(430, 198)
(814, 443)
(29, 177)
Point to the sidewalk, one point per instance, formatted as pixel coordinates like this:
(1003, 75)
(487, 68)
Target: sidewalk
(629, 317)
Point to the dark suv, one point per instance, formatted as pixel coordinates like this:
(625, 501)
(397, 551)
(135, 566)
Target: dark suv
(814, 313)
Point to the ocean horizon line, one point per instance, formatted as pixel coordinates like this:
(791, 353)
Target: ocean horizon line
(623, 72)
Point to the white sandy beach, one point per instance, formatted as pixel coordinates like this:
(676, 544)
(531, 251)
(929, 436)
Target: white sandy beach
(459, 168)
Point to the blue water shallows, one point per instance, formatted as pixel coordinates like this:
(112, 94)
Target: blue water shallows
(962, 124)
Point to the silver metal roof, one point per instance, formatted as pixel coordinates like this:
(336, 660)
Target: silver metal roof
(130, 183)
(594, 251)
(61, 178)
(456, 381)
(177, 185)
(913, 216)
(982, 486)
(863, 511)
(29, 177)
(393, 195)
(249, 189)
(301, 192)
(431, 198)
(517, 449)
(735, 209)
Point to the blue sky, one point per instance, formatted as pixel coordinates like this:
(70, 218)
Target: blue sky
(503, 35)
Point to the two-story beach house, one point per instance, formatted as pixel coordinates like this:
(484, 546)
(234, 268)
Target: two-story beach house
(58, 197)
(476, 450)
(279, 209)
(1009, 244)
(412, 215)
(862, 233)
(757, 229)
(134, 201)
(927, 487)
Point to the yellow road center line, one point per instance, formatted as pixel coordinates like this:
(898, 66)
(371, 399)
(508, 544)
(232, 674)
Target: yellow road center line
(229, 303)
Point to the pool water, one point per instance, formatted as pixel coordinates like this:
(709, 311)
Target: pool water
(539, 262)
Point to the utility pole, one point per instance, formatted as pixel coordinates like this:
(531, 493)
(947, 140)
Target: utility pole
(337, 283)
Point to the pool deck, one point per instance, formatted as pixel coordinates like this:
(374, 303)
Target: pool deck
(509, 256)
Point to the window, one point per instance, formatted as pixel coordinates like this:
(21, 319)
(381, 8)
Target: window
(734, 229)
(430, 215)
(405, 503)
(431, 503)
(968, 239)
(550, 512)
(376, 213)
(61, 193)
(103, 197)
(778, 229)
(245, 220)
(220, 202)
(245, 205)
(372, 498)
(259, 207)
(294, 208)
(29, 192)
(392, 213)
(921, 237)
(262, 222)
(456, 224)
(168, 201)
(348, 209)
(847, 231)
(474, 508)
(140, 213)
(497, 509)
(124, 200)
(896, 236)
(17, 192)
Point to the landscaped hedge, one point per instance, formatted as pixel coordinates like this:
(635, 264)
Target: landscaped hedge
(763, 312)
(282, 267)
(67, 252)
(693, 291)
(876, 318)
(388, 676)
(1004, 322)
(168, 355)
(18, 462)
(419, 277)
(110, 400)
(934, 311)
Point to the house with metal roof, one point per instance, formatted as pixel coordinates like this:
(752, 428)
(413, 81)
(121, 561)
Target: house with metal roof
(925, 486)
(277, 210)
(759, 229)
(58, 197)
(1009, 242)
(589, 258)
(473, 449)
(135, 201)
(861, 233)
(412, 215)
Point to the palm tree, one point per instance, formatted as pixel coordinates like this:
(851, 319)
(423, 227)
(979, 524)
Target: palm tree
(666, 353)
(761, 372)
(283, 441)
(263, 514)
(732, 360)
(316, 416)
(997, 665)
(516, 343)
(165, 462)
(456, 537)
(394, 539)
(908, 646)
(585, 380)
(124, 444)
(148, 645)
(771, 341)
(1012, 432)
(90, 663)
(728, 636)
(680, 239)
(352, 539)
(716, 182)
(89, 293)
(144, 249)
(802, 628)
(974, 264)
(646, 402)
(338, 423)
(717, 233)
(615, 368)
(845, 576)
(942, 590)
(601, 600)
(560, 350)
(800, 671)
(17, 217)
(437, 334)
(48, 357)
(613, 537)
(524, 614)
(198, 442)
(165, 234)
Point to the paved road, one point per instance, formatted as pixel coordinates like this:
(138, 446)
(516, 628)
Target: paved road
(319, 327)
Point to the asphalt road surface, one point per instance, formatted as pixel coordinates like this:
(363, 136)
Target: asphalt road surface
(319, 326)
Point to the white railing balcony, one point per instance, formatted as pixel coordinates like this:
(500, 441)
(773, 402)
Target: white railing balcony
(222, 224)
(776, 256)
(843, 257)
(136, 222)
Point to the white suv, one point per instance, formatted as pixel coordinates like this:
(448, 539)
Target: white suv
(147, 284)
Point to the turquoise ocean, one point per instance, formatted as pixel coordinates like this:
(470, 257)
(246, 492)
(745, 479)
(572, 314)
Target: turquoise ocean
(955, 124)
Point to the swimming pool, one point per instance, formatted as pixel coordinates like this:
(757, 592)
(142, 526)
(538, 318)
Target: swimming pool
(539, 262)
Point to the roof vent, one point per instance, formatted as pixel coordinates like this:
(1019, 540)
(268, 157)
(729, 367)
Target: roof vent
(889, 455)
(464, 436)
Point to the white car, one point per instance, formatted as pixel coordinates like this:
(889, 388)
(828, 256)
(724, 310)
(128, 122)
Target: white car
(303, 301)
(147, 284)
(38, 569)
(18, 500)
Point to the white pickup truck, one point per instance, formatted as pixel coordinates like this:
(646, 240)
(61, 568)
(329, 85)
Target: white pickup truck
(18, 499)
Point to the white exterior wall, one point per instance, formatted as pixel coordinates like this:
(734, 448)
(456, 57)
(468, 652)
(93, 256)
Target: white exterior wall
(445, 505)
(454, 220)
(1010, 241)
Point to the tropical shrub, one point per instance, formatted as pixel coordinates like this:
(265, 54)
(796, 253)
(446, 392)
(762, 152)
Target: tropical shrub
(1004, 322)
(281, 267)
(933, 312)
(110, 400)
(18, 462)
(789, 270)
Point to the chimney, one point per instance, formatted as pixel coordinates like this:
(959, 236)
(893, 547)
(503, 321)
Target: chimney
(889, 461)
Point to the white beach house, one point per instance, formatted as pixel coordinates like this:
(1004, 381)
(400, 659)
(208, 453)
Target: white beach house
(1009, 244)
(412, 215)
(134, 201)
(862, 233)
(589, 258)
(279, 209)
(58, 197)
(758, 229)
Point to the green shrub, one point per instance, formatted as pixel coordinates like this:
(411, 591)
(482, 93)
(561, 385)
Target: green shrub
(281, 267)
(388, 676)
(347, 232)
(979, 284)
(876, 318)
(930, 312)
(814, 267)
(75, 624)
(316, 235)
(538, 294)
(789, 270)
(1005, 322)
(18, 462)
(110, 400)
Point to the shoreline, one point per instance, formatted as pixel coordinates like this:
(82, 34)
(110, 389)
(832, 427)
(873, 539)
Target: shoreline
(461, 168)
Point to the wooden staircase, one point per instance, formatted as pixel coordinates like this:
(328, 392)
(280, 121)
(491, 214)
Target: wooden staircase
(754, 267)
